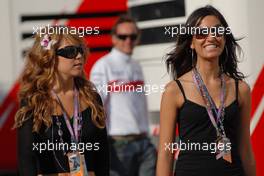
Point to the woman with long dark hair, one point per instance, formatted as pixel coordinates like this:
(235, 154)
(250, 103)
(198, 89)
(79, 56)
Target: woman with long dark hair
(209, 101)
(61, 121)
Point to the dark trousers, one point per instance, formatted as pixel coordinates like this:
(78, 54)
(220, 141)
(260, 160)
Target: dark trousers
(132, 157)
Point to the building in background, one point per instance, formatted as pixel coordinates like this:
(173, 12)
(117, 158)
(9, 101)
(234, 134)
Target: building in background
(154, 16)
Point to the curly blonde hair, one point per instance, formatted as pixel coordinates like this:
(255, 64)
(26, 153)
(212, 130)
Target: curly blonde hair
(37, 81)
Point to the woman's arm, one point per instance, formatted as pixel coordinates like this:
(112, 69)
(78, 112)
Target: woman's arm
(245, 148)
(26, 156)
(168, 113)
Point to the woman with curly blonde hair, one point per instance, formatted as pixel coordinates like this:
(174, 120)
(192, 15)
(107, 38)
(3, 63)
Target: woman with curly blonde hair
(61, 121)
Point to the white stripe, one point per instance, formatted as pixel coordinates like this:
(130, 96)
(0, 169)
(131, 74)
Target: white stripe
(132, 3)
(257, 116)
(6, 114)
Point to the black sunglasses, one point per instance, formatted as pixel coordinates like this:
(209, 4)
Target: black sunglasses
(203, 33)
(132, 37)
(70, 52)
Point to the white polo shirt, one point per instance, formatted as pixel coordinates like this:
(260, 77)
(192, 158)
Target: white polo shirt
(119, 81)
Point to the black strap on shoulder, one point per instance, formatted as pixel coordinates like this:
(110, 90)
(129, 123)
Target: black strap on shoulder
(181, 88)
(236, 82)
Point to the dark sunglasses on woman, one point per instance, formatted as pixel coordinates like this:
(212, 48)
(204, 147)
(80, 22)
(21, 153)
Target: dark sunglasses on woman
(203, 33)
(70, 52)
(132, 37)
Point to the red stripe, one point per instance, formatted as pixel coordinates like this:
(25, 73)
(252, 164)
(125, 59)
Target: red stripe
(102, 6)
(105, 23)
(92, 58)
(127, 87)
(93, 41)
(257, 143)
(257, 92)
(113, 81)
(8, 160)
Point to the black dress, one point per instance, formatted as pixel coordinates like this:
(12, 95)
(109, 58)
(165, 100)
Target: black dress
(195, 126)
(32, 162)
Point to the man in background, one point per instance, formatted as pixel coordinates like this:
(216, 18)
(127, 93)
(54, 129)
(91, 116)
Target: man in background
(117, 77)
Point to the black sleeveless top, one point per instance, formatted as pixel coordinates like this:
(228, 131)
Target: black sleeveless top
(195, 127)
(32, 160)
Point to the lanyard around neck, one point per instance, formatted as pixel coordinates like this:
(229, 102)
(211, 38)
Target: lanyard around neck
(76, 127)
(210, 105)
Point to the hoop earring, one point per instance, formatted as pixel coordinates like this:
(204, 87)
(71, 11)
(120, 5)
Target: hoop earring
(193, 65)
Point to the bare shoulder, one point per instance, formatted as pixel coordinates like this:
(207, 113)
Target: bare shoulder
(244, 88)
(172, 93)
(172, 89)
(244, 92)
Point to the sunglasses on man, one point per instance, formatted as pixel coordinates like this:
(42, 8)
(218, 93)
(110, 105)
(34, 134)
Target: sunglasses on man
(132, 37)
(70, 52)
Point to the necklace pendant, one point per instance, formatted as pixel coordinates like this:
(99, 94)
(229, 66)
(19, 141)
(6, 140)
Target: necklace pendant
(224, 148)
(228, 157)
(60, 132)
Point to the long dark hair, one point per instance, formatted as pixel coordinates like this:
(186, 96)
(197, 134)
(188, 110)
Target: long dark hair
(179, 60)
